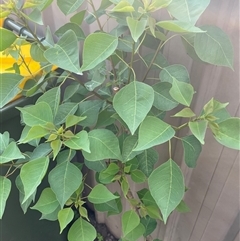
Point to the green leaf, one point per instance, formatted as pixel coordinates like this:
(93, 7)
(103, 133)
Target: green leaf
(213, 106)
(32, 174)
(90, 109)
(183, 208)
(73, 120)
(187, 10)
(68, 177)
(228, 133)
(78, 17)
(153, 212)
(162, 98)
(11, 153)
(125, 186)
(94, 52)
(186, 112)
(112, 207)
(5, 187)
(150, 136)
(174, 72)
(51, 216)
(166, 185)
(97, 166)
(69, 6)
(7, 38)
(64, 111)
(74, 27)
(136, 233)
(178, 26)
(188, 43)
(82, 230)
(130, 220)
(133, 102)
(38, 114)
(79, 142)
(150, 225)
(128, 146)
(34, 16)
(138, 176)
(65, 216)
(136, 27)
(198, 129)
(192, 149)
(35, 132)
(4, 141)
(56, 147)
(52, 97)
(108, 174)
(182, 92)
(123, 7)
(104, 140)
(47, 202)
(147, 159)
(156, 4)
(65, 54)
(9, 86)
(214, 47)
(100, 194)
(20, 187)
(36, 52)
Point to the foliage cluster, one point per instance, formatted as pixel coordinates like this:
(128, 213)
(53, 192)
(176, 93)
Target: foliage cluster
(116, 117)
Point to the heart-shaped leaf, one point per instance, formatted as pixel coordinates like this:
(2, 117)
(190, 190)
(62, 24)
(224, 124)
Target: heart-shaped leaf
(65, 54)
(152, 132)
(104, 140)
(166, 185)
(32, 174)
(68, 177)
(94, 52)
(133, 102)
(214, 46)
(82, 230)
